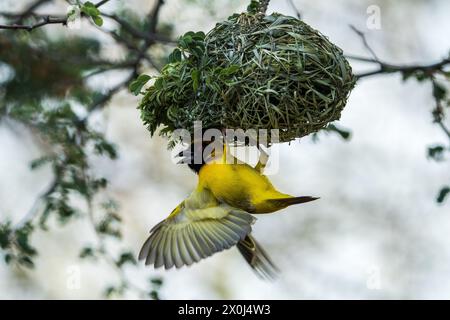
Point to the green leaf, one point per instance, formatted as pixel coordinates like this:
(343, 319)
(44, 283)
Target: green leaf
(175, 56)
(22, 239)
(90, 9)
(111, 291)
(154, 295)
(407, 74)
(136, 86)
(197, 51)
(443, 193)
(110, 226)
(185, 41)
(39, 162)
(200, 36)
(98, 20)
(344, 134)
(421, 76)
(229, 70)
(8, 258)
(26, 262)
(87, 252)
(436, 152)
(159, 84)
(439, 91)
(126, 257)
(156, 282)
(5, 235)
(103, 147)
(195, 74)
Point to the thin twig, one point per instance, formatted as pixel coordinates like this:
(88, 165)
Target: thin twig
(34, 210)
(130, 46)
(102, 100)
(438, 112)
(364, 40)
(99, 4)
(444, 128)
(429, 71)
(296, 10)
(384, 68)
(153, 16)
(29, 11)
(110, 67)
(136, 33)
(46, 20)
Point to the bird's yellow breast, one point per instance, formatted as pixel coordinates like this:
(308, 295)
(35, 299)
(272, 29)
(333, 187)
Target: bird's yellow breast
(239, 185)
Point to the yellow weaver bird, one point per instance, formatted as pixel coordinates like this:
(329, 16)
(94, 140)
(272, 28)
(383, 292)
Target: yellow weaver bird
(243, 186)
(216, 216)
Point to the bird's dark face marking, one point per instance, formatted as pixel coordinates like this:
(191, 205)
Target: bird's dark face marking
(194, 155)
(188, 156)
(196, 167)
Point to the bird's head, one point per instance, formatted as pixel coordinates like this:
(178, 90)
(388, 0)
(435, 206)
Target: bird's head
(194, 155)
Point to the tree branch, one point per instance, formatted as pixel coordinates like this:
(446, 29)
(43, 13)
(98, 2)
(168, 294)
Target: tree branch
(98, 103)
(420, 71)
(296, 10)
(46, 20)
(364, 40)
(153, 16)
(384, 68)
(151, 36)
(30, 10)
(34, 210)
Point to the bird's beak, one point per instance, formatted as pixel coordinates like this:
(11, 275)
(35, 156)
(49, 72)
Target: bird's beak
(185, 157)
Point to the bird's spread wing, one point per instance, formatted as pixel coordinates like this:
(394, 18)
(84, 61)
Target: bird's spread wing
(181, 240)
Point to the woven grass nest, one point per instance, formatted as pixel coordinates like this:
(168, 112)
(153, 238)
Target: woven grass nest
(251, 71)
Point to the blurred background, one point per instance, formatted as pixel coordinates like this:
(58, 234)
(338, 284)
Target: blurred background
(376, 233)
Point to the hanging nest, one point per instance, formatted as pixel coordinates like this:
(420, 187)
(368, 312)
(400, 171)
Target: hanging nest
(251, 72)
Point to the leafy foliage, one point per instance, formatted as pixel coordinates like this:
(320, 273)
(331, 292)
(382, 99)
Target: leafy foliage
(15, 242)
(137, 85)
(253, 7)
(45, 89)
(54, 67)
(439, 78)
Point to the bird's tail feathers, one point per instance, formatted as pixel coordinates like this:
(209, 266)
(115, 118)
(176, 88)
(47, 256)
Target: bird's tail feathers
(286, 202)
(257, 258)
